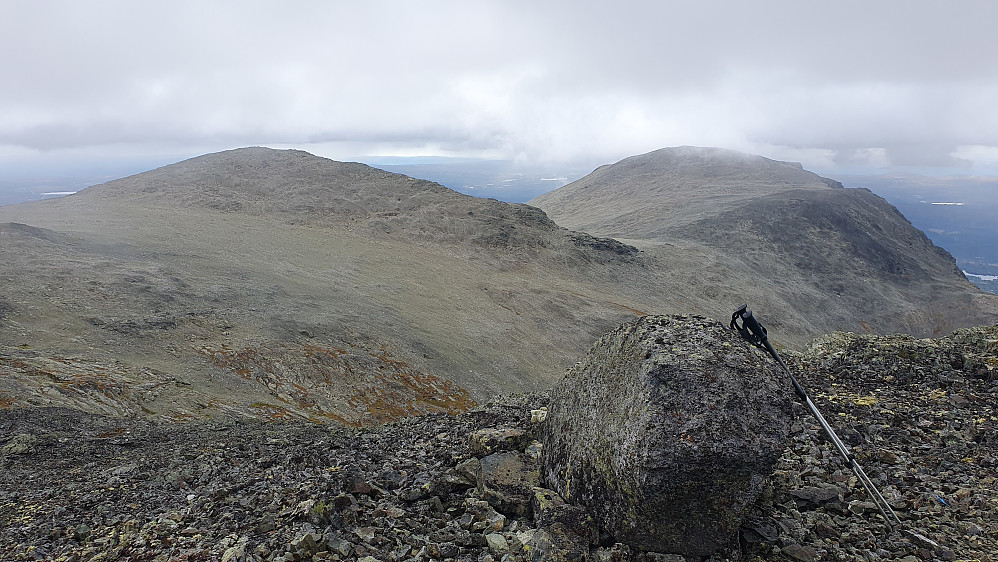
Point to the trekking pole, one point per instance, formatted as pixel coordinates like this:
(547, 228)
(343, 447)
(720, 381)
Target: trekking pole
(755, 333)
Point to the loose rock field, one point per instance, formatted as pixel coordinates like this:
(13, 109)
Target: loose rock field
(76, 486)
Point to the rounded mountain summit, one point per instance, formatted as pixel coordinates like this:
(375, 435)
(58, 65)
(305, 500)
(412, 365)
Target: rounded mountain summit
(799, 246)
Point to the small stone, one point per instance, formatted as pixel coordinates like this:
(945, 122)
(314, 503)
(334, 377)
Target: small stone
(826, 531)
(357, 485)
(533, 450)
(801, 553)
(469, 469)
(945, 554)
(449, 482)
(339, 546)
(861, 507)
(365, 534)
(497, 543)
(466, 520)
(442, 550)
(266, 524)
(306, 542)
(435, 504)
(556, 543)
(81, 532)
(236, 551)
(524, 536)
(486, 517)
(494, 440)
(448, 550)
(617, 553)
(662, 557)
(812, 497)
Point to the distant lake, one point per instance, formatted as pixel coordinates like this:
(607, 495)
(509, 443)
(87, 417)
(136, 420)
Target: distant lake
(982, 277)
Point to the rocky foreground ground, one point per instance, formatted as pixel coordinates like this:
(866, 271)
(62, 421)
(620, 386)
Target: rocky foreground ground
(919, 414)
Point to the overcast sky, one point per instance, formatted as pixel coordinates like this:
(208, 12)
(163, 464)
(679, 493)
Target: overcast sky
(841, 86)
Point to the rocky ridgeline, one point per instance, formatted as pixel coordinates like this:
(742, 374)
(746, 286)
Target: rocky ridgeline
(76, 486)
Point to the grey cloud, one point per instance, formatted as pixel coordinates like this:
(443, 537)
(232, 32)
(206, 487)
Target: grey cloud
(534, 80)
(925, 154)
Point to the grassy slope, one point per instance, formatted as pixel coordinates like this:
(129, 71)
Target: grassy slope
(283, 284)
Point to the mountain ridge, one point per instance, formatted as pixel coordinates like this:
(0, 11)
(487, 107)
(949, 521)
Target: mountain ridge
(157, 274)
(299, 188)
(279, 284)
(120, 315)
(837, 253)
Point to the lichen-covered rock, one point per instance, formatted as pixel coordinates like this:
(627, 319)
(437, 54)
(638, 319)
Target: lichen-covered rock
(904, 360)
(556, 543)
(506, 480)
(493, 440)
(549, 508)
(666, 433)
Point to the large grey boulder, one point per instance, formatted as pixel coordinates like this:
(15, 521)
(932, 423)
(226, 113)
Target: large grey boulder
(666, 432)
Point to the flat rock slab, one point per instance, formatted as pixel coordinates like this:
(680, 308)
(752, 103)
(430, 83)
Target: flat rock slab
(666, 432)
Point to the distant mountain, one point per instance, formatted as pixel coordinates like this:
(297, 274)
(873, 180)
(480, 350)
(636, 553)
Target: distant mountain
(808, 248)
(296, 187)
(281, 284)
(644, 196)
(278, 284)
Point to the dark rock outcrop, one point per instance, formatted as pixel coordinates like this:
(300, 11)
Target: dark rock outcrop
(666, 432)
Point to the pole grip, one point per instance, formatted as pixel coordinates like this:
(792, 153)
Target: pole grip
(753, 326)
